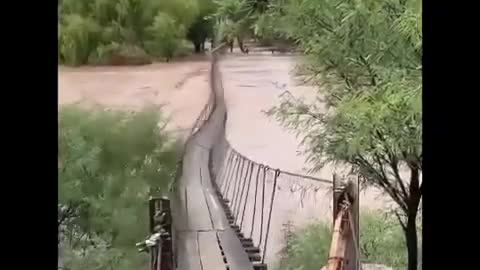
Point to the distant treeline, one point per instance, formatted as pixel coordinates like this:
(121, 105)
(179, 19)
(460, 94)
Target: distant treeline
(130, 31)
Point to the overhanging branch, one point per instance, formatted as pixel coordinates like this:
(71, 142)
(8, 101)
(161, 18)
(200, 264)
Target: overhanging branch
(383, 182)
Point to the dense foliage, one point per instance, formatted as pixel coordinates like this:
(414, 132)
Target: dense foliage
(129, 29)
(236, 19)
(381, 242)
(365, 57)
(109, 165)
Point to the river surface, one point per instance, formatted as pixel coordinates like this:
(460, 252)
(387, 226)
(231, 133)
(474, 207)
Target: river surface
(182, 88)
(252, 84)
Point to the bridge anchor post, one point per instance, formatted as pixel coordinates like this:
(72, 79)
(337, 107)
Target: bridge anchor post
(344, 248)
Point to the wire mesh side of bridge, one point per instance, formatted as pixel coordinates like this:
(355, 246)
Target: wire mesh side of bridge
(259, 200)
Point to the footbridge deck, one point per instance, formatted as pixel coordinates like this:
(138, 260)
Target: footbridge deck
(224, 210)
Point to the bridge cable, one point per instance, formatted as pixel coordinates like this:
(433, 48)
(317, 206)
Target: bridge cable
(277, 173)
(248, 172)
(239, 202)
(224, 168)
(229, 179)
(248, 191)
(265, 170)
(238, 194)
(228, 174)
(237, 185)
(255, 201)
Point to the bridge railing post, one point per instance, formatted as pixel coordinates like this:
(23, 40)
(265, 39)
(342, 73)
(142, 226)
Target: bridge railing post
(162, 255)
(351, 258)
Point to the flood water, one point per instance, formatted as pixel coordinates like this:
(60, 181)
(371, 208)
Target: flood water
(182, 88)
(252, 84)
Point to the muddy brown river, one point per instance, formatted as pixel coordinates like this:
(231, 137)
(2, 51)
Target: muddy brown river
(252, 84)
(182, 89)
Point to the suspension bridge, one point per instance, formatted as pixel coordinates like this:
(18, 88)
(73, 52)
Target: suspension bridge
(224, 211)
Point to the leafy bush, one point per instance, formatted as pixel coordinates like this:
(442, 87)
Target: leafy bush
(307, 248)
(109, 164)
(166, 35)
(136, 16)
(119, 54)
(381, 242)
(183, 12)
(89, 27)
(185, 48)
(113, 32)
(78, 38)
(268, 27)
(105, 11)
(81, 8)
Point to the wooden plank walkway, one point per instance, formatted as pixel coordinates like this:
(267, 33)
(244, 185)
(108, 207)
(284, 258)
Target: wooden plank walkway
(210, 253)
(200, 222)
(188, 252)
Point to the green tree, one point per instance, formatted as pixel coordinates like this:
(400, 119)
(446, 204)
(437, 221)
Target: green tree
(234, 20)
(365, 57)
(78, 37)
(109, 163)
(184, 11)
(166, 35)
(85, 27)
(199, 31)
(202, 27)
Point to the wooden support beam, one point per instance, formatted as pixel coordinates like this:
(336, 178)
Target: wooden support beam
(343, 253)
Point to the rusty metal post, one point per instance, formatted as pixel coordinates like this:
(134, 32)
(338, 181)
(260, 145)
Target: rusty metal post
(352, 188)
(162, 256)
(166, 256)
(151, 212)
(353, 260)
(337, 191)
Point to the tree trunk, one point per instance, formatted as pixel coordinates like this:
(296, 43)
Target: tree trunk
(240, 44)
(198, 46)
(411, 226)
(203, 46)
(412, 243)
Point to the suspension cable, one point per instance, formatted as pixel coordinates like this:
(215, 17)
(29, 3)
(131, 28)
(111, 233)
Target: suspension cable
(237, 185)
(237, 192)
(248, 191)
(277, 173)
(255, 201)
(229, 179)
(265, 170)
(217, 162)
(221, 176)
(248, 171)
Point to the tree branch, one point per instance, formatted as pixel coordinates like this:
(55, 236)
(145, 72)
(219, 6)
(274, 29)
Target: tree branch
(400, 220)
(383, 182)
(393, 162)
